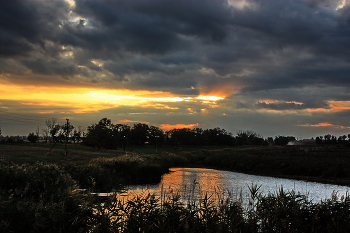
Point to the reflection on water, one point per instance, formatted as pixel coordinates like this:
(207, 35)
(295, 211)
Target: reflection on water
(191, 183)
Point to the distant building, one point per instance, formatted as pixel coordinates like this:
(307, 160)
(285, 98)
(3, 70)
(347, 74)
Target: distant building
(303, 142)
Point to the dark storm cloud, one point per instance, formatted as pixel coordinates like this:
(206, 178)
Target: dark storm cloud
(167, 44)
(27, 23)
(154, 26)
(280, 106)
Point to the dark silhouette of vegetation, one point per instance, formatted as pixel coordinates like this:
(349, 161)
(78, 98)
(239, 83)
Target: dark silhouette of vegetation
(333, 140)
(249, 138)
(283, 140)
(105, 134)
(33, 138)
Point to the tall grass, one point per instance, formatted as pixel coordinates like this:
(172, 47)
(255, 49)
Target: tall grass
(274, 212)
(109, 174)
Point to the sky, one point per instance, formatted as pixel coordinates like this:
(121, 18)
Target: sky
(275, 67)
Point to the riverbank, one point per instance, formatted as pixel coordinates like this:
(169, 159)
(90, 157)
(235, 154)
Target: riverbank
(318, 164)
(324, 164)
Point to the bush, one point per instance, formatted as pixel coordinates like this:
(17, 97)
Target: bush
(38, 181)
(40, 198)
(32, 138)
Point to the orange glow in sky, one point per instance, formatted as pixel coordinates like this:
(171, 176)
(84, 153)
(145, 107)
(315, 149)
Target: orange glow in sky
(167, 127)
(326, 124)
(210, 98)
(220, 90)
(83, 100)
(339, 105)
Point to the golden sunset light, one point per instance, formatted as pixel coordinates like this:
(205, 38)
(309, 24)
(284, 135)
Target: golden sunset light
(210, 98)
(325, 124)
(339, 105)
(177, 126)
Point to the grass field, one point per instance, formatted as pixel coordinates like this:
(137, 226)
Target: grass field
(33, 152)
(328, 164)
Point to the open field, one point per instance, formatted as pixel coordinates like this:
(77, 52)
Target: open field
(328, 164)
(33, 152)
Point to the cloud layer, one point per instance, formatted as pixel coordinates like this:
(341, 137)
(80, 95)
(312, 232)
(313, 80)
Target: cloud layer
(268, 58)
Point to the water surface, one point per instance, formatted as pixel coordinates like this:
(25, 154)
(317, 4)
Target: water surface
(192, 183)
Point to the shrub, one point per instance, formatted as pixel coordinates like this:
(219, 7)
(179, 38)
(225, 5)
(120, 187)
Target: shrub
(38, 181)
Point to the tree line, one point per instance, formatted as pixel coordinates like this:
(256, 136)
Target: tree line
(331, 139)
(105, 134)
(58, 133)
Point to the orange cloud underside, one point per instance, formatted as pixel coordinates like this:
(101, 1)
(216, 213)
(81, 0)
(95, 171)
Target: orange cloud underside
(126, 121)
(333, 106)
(177, 126)
(221, 89)
(339, 105)
(326, 124)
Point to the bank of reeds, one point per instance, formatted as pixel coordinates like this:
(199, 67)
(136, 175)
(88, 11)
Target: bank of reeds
(274, 212)
(109, 174)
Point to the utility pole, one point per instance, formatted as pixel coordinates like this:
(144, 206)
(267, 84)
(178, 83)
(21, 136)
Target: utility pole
(37, 133)
(67, 134)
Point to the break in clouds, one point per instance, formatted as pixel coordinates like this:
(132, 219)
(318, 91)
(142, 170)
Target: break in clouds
(260, 54)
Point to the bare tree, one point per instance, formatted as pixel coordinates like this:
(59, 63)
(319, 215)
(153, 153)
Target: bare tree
(50, 124)
(52, 129)
(45, 134)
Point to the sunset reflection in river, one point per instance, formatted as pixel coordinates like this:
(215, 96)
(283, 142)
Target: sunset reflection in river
(192, 184)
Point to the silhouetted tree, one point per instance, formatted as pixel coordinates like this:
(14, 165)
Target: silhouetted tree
(55, 133)
(180, 137)
(156, 136)
(32, 137)
(46, 134)
(283, 140)
(77, 134)
(51, 124)
(217, 136)
(319, 140)
(249, 138)
(100, 135)
(140, 134)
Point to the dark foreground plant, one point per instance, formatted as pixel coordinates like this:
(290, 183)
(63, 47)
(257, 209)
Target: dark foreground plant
(275, 212)
(41, 198)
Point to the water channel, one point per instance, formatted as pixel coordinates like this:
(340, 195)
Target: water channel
(192, 183)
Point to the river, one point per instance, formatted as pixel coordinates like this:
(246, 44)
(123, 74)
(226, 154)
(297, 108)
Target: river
(194, 183)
